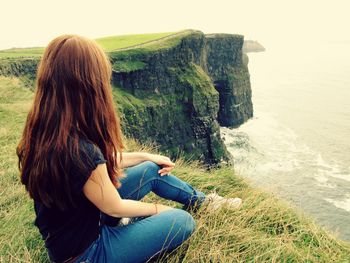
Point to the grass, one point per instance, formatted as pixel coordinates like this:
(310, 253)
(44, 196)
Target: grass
(127, 66)
(266, 229)
(22, 52)
(124, 98)
(111, 43)
(117, 42)
(195, 76)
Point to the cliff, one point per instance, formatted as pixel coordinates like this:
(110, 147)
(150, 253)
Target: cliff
(189, 85)
(228, 69)
(22, 67)
(176, 91)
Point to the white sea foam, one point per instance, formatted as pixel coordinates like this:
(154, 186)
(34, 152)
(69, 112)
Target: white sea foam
(323, 181)
(321, 178)
(282, 151)
(342, 204)
(331, 170)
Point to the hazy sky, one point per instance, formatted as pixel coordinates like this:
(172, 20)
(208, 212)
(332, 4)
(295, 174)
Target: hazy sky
(35, 22)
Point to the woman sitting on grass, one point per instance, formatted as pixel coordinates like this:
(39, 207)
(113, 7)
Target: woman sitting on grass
(71, 159)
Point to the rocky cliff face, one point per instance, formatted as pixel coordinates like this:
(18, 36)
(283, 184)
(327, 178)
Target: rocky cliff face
(230, 75)
(177, 91)
(194, 85)
(24, 68)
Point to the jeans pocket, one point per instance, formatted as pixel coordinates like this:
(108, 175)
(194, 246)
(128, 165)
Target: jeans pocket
(89, 253)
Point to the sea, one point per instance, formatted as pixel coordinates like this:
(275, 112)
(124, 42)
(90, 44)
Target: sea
(297, 145)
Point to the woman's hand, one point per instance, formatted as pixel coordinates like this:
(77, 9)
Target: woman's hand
(165, 162)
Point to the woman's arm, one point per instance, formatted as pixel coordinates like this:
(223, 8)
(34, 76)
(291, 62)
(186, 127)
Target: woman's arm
(102, 193)
(133, 158)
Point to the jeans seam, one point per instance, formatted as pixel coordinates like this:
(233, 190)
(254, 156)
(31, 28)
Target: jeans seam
(146, 182)
(168, 237)
(134, 191)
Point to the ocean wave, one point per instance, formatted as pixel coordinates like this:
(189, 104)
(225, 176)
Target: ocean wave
(342, 204)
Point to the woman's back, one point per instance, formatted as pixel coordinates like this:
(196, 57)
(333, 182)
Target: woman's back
(69, 232)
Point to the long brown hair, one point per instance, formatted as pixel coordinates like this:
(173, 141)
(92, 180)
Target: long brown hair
(73, 100)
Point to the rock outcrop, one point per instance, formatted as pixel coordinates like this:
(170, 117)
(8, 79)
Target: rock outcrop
(252, 46)
(226, 66)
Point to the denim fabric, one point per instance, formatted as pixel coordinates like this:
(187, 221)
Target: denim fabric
(147, 237)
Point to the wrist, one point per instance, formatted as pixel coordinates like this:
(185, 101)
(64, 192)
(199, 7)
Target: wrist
(148, 156)
(156, 208)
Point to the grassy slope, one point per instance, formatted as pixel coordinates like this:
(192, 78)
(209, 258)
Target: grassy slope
(117, 42)
(21, 52)
(264, 230)
(108, 43)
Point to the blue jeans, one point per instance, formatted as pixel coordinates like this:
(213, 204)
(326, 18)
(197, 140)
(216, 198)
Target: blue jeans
(146, 237)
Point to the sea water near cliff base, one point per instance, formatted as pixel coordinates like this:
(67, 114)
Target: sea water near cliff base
(298, 143)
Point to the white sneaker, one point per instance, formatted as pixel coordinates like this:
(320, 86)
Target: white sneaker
(124, 221)
(213, 201)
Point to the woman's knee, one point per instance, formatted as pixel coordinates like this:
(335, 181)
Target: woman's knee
(182, 221)
(150, 168)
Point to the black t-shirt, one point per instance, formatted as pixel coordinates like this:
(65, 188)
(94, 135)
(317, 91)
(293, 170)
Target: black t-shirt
(68, 233)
